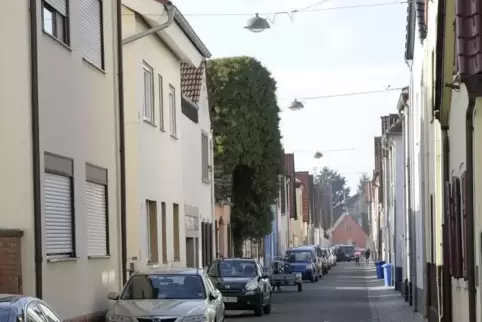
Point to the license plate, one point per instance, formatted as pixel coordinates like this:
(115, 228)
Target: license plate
(230, 299)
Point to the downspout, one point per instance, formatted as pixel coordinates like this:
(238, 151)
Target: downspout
(122, 144)
(34, 101)
(447, 280)
(469, 188)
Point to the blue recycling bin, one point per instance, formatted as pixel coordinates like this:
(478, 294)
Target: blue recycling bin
(387, 272)
(379, 269)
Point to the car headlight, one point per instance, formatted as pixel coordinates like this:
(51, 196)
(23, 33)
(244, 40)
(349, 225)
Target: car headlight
(251, 286)
(118, 318)
(195, 318)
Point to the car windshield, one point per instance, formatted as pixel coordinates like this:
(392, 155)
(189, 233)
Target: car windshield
(233, 268)
(163, 286)
(4, 315)
(299, 256)
(347, 249)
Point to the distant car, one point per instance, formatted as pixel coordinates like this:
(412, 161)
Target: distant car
(304, 260)
(346, 253)
(16, 308)
(242, 283)
(167, 295)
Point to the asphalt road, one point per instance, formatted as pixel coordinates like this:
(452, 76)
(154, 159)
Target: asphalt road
(341, 296)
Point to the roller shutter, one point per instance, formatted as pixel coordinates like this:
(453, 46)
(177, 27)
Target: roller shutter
(59, 5)
(91, 12)
(58, 215)
(96, 208)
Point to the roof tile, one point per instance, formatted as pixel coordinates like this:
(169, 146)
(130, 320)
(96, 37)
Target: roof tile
(191, 81)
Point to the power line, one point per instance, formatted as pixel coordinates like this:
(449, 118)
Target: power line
(303, 10)
(352, 93)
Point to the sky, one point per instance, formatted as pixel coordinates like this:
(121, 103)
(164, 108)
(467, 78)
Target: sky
(318, 53)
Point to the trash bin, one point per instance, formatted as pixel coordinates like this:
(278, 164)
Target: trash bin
(387, 272)
(379, 269)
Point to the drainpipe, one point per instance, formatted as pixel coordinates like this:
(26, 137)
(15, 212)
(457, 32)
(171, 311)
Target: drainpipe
(34, 102)
(469, 188)
(447, 280)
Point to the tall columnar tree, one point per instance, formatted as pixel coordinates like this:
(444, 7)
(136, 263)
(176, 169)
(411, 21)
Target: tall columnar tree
(340, 192)
(364, 179)
(247, 152)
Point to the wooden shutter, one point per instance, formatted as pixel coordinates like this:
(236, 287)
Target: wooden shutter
(463, 207)
(448, 221)
(457, 226)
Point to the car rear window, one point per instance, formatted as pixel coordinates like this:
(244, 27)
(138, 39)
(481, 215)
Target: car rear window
(347, 249)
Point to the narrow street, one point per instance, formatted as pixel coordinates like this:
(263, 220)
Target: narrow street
(347, 294)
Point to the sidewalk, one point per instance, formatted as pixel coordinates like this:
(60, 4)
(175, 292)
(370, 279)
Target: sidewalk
(386, 304)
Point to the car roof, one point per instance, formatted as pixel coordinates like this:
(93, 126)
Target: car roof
(303, 248)
(171, 271)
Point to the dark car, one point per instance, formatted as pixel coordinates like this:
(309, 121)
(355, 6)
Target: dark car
(242, 284)
(18, 308)
(345, 253)
(304, 260)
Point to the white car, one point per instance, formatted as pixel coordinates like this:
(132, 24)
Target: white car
(332, 257)
(167, 295)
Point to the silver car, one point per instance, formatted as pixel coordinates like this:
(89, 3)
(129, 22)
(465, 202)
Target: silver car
(167, 295)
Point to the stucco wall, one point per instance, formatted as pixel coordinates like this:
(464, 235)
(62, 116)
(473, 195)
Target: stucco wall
(16, 197)
(154, 157)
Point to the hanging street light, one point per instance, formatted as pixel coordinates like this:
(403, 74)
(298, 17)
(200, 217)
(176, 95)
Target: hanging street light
(296, 105)
(318, 155)
(257, 24)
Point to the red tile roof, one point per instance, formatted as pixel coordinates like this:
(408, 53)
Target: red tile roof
(192, 81)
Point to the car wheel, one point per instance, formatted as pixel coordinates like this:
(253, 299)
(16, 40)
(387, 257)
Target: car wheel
(312, 278)
(267, 308)
(259, 310)
(300, 287)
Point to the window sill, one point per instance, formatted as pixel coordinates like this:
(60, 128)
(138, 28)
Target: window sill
(162, 130)
(152, 264)
(99, 257)
(206, 181)
(59, 260)
(88, 62)
(174, 137)
(57, 40)
(149, 122)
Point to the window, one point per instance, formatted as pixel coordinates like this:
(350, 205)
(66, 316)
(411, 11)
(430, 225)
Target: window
(148, 93)
(177, 246)
(164, 232)
(92, 39)
(55, 19)
(152, 241)
(59, 206)
(48, 313)
(34, 314)
(161, 102)
(205, 156)
(172, 110)
(96, 211)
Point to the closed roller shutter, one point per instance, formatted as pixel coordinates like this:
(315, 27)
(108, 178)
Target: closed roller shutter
(91, 11)
(58, 215)
(59, 5)
(95, 195)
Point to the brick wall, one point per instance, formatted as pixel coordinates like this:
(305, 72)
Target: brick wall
(10, 261)
(348, 230)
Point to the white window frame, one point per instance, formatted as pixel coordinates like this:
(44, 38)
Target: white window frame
(148, 111)
(59, 166)
(97, 178)
(93, 29)
(172, 110)
(205, 157)
(160, 86)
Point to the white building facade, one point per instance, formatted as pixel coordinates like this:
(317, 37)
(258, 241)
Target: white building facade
(156, 229)
(61, 218)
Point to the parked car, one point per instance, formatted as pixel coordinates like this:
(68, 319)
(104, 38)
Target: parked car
(242, 283)
(332, 256)
(175, 294)
(304, 260)
(321, 261)
(16, 308)
(346, 253)
(327, 258)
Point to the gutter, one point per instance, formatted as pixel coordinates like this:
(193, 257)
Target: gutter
(122, 144)
(469, 188)
(34, 101)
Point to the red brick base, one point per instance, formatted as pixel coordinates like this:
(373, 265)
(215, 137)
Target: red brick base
(11, 261)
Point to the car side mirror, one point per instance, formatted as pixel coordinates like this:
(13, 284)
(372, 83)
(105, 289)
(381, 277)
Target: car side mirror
(113, 296)
(213, 296)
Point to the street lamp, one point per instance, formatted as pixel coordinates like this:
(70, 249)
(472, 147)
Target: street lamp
(257, 24)
(318, 155)
(296, 105)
